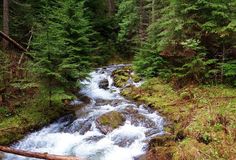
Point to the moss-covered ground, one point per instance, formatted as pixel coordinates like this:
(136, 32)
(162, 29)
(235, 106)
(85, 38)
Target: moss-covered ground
(32, 113)
(201, 118)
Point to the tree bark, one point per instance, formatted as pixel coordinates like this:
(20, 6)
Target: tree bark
(36, 154)
(111, 7)
(153, 11)
(5, 22)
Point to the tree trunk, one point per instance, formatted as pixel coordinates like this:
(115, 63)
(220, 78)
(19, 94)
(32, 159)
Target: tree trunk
(36, 154)
(5, 21)
(143, 20)
(111, 7)
(153, 11)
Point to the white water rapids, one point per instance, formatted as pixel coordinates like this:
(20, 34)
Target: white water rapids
(80, 137)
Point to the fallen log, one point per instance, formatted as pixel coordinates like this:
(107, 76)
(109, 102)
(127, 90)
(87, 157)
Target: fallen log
(36, 154)
(6, 37)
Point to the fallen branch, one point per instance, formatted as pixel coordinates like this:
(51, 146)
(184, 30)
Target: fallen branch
(28, 45)
(3, 35)
(36, 154)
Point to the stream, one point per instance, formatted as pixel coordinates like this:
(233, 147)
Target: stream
(80, 135)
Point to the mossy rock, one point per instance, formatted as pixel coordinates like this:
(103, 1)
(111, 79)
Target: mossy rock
(109, 121)
(121, 76)
(136, 78)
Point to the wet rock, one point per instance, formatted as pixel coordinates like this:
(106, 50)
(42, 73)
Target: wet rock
(103, 84)
(124, 141)
(85, 99)
(85, 128)
(141, 120)
(152, 132)
(82, 112)
(109, 121)
(82, 101)
(78, 126)
(130, 110)
(116, 102)
(94, 138)
(102, 102)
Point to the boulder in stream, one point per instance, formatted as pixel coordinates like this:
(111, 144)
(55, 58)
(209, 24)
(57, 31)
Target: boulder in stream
(109, 121)
(103, 84)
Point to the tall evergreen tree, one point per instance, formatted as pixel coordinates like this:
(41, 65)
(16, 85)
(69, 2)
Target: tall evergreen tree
(63, 45)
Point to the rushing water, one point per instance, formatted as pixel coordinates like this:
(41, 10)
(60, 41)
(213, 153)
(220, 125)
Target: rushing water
(80, 137)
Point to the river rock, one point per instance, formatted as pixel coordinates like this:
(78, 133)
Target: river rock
(124, 141)
(82, 101)
(130, 110)
(102, 102)
(103, 84)
(141, 120)
(85, 99)
(94, 138)
(109, 121)
(152, 132)
(116, 102)
(78, 126)
(85, 128)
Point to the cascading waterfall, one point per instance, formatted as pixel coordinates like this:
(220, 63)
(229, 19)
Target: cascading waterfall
(80, 137)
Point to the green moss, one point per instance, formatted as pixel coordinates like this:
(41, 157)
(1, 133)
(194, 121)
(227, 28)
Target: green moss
(136, 78)
(112, 119)
(121, 76)
(35, 114)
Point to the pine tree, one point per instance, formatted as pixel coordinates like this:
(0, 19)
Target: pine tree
(79, 43)
(63, 46)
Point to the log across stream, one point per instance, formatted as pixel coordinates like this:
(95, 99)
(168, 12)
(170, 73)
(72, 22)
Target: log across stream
(89, 135)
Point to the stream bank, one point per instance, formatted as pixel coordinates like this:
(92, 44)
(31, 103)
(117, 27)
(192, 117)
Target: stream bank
(200, 119)
(31, 113)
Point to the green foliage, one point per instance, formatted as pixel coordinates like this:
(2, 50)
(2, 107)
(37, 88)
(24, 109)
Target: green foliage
(63, 46)
(148, 63)
(196, 39)
(128, 16)
(230, 71)
(24, 85)
(197, 69)
(128, 21)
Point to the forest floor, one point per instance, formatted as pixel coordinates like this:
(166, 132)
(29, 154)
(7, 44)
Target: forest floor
(200, 119)
(28, 112)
